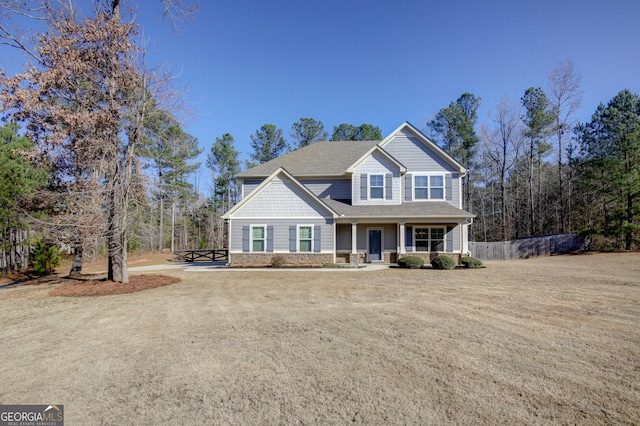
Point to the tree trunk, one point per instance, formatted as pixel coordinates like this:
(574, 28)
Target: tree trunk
(161, 229)
(76, 266)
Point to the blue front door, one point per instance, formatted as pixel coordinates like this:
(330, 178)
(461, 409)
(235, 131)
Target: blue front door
(375, 244)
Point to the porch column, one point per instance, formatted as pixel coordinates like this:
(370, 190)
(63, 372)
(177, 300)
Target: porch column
(401, 249)
(353, 257)
(354, 238)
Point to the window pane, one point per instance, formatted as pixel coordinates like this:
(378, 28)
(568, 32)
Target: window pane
(422, 233)
(376, 180)
(422, 245)
(437, 245)
(258, 232)
(437, 234)
(421, 193)
(422, 181)
(377, 192)
(305, 232)
(437, 193)
(258, 245)
(437, 181)
(305, 245)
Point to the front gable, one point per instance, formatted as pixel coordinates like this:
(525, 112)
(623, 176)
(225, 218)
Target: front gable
(418, 153)
(380, 165)
(280, 196)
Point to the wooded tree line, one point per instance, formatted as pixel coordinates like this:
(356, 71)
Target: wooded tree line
(93, 155)
(535, 170)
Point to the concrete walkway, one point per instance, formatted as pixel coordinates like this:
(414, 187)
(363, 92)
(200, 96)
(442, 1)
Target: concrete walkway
(222, 266)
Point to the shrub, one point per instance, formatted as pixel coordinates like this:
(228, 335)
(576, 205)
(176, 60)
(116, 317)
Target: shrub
(46, 257)
(278, 261)
(471, 262)
(411, 262)
(443, 262)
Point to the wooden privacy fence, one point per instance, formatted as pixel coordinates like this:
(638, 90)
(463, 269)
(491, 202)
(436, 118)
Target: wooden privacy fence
(525, 248)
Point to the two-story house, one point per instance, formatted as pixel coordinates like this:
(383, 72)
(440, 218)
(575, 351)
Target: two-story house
(351, 202)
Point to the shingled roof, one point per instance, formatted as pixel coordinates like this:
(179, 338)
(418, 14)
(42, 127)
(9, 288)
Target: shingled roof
(422, 210)
(316, 159)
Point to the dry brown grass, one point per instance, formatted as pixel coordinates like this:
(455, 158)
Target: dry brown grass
(547, 340)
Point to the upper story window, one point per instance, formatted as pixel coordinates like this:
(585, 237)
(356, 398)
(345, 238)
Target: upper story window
(428, 187)
(376, 187)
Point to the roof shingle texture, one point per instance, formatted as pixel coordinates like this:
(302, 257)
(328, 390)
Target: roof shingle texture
(317, 159)
(423, 210)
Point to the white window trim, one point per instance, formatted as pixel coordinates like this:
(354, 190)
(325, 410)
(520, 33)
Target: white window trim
(429, 174)
(444, 238)
(298, 238)
(384, 182)
(251, 238)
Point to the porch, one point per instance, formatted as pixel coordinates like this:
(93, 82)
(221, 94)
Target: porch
(386, 242)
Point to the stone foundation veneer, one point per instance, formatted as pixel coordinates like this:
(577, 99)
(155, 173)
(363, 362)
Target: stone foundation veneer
(291, 259)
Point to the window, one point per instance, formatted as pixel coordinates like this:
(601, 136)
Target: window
(258, 236)
(422, 187)
(305, 238)
(429, 239)
(376, 186)
(428, 187)
(436, 187)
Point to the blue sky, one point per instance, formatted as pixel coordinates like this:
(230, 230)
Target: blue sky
(249, 62)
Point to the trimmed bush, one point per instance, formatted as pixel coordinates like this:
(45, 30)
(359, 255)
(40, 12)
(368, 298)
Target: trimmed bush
(333, 266)
(443, 262)
(46, 258)
(278, 261)
(471, 262)
(411, 262)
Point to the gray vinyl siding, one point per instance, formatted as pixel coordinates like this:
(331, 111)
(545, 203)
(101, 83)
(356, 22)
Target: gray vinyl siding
(414, 155)
(389, 236)
(336, 189)
(281, 198)
(376, 164)
(249, 185)
(281, 233)
(418, 158)
(343, 237)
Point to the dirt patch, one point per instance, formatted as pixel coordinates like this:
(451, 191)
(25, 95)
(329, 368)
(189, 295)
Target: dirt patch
(104, 287)
(100, 263)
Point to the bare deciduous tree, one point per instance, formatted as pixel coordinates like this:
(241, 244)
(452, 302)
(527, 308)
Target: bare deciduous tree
(566, 100)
